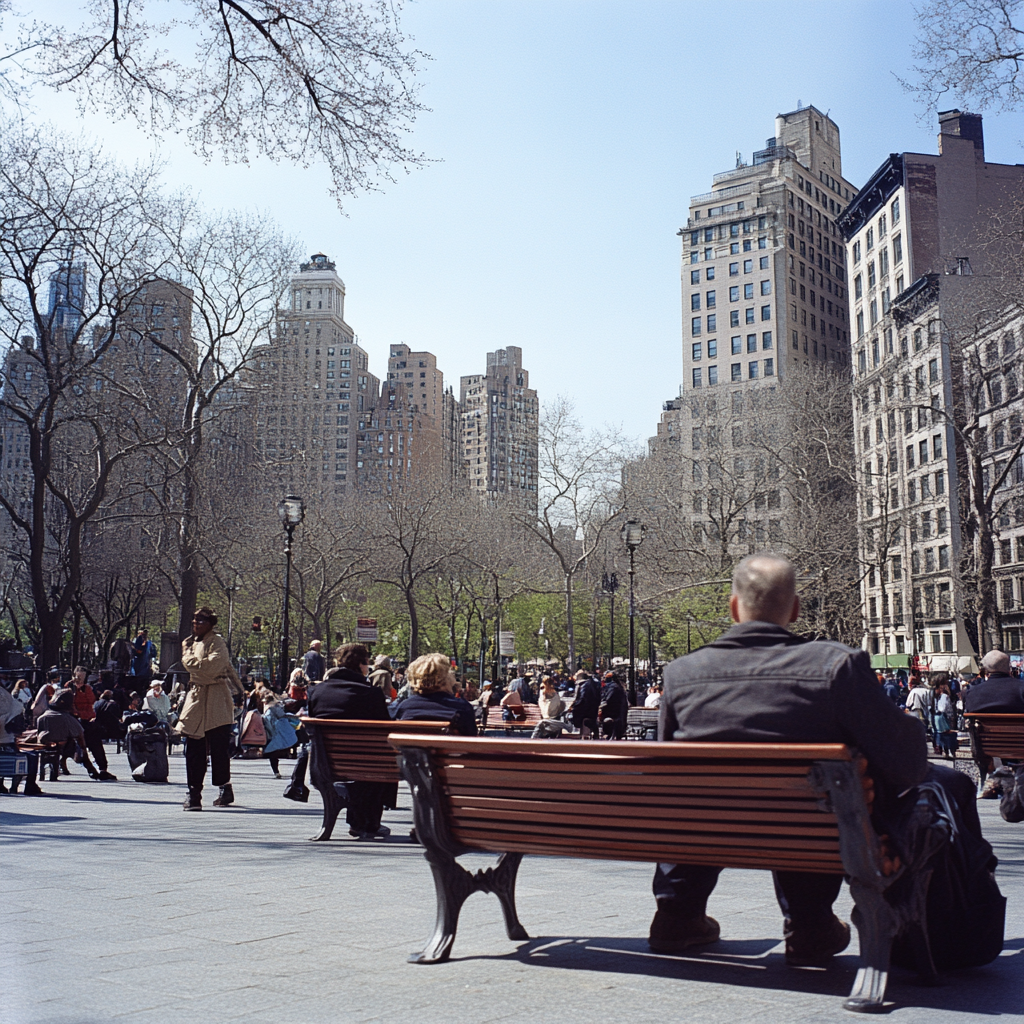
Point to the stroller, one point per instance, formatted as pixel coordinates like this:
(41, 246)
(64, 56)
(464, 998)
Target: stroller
(146, 747)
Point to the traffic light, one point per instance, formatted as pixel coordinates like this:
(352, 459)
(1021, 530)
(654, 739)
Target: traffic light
(257, 624)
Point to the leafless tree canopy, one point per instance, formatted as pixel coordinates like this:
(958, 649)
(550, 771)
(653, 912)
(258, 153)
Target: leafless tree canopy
(299, 80)
(970, 51)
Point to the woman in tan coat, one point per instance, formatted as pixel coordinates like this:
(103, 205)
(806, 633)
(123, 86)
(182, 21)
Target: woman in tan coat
(208, 713)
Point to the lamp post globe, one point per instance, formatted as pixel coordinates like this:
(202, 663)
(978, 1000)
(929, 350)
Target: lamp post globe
(632, 535)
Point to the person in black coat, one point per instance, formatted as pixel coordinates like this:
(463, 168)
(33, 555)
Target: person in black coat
(586, 702)
(760, 683)
(346, 693)
(614, 707)
(999, 693)
(432, 698)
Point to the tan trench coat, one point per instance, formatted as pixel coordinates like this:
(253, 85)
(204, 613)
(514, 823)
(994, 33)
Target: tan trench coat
(212, 680)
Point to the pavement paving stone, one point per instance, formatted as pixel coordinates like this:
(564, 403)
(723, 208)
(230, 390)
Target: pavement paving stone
(141, 913)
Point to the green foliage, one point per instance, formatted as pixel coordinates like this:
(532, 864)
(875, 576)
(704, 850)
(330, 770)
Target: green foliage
(691, 619)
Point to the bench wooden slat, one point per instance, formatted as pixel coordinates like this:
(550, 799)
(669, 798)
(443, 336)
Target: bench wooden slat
(458, 776)
(995, 735)
(626, 749)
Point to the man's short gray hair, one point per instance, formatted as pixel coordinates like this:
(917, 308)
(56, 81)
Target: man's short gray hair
(765, 585)
(996, 661)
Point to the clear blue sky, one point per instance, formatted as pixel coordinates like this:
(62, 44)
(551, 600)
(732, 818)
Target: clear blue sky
(570, 136)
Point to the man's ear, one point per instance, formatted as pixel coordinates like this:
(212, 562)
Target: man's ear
(795, 613)
(734, 608)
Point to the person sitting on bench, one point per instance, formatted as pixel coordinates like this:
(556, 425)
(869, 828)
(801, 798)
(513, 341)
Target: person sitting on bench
(758, 682)
(58, 726)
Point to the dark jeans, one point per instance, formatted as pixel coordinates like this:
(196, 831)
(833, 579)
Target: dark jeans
(805, 898)
(216, 743)
(94, 743)
(365, 805)
(299, 771)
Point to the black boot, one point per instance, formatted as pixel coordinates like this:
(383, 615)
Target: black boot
(32, 788)
(226, 798)
(297, 793)
(194, 801)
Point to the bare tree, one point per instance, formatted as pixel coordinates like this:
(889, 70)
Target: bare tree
(76, 245)
(579, 475)
(300, 80)
(971, 49)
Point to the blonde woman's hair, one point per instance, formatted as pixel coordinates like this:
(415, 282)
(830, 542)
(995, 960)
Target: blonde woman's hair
(429, 673)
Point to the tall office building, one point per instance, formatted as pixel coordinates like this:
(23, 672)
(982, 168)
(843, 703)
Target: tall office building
(764, 291)
(310, 386)
(499, 429)
(923, 245)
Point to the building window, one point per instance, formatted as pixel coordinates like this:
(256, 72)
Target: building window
(696, 376)
(860, 324)
(749, 316)
(696, 351)
(769, 367)
(709, 274)
(734, 269)
(751, 342)
(897, 249)
(766, 312)
(712, 322)
(711, 300)
(748, 266)
(737, 371)
(712, 348)
(712, 375)
(695, 301)
(940, 482)
(734, 293)
(695, 326)
(734, 318)
(752, 370)
(895, 211)
(766, 287)
(933, 371)
(694, 277)
(766, 340)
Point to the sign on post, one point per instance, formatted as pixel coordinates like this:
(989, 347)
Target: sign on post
(506, 643)
(366, 631)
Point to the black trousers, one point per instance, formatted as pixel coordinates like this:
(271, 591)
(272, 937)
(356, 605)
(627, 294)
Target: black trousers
(806, 898)
(94, 743)
(216, 744)
(365, 805)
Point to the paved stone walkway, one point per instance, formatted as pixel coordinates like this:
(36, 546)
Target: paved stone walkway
(119, 907)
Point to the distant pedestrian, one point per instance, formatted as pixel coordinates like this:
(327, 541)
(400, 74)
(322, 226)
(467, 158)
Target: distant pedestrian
(313, 663)
(158, 702)
(22, 693)
(143, 653)
(382, 677)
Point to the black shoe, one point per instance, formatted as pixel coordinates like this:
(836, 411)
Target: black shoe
(672, 934)
(64, 768)
(32, 789)
(814, 947)
(193, 802)
(297, 793)
(105, 776)
(226, 798)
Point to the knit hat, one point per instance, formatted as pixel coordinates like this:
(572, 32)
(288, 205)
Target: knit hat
(383, 661)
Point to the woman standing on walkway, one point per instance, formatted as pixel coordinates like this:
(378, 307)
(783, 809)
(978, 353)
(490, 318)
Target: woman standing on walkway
(208, 713)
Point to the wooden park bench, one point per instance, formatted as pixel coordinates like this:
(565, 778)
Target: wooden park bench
(530, 722)
(796, 807)
(642, 723)
(993, 736)
(353, 750)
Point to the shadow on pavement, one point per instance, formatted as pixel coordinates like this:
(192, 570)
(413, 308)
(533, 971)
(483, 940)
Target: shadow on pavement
(14, 818)
(995, 989)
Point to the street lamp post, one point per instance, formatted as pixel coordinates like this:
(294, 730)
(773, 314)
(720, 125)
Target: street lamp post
(609, 584)
(632, 536)
(291, 510)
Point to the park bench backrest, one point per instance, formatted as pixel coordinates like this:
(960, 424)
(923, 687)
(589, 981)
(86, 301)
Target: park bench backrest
(996, 735)
(732, 804)
(496, 721)
(358, 750)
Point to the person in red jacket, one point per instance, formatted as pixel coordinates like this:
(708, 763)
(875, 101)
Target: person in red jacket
(84, 699)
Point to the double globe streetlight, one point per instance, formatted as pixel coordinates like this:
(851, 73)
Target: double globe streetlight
(291, 511)
(632, 535)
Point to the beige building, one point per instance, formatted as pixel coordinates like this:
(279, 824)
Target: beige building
(499, 429)
(919, 248)
(765, 295)
(310, 386)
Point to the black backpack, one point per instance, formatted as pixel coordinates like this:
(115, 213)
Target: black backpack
(965, 911)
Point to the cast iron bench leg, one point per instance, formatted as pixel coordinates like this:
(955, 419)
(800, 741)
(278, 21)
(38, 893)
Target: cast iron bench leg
(877, 924)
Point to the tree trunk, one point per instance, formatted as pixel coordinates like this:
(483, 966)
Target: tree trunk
(188, 551)
(570, 630)
(414, 625)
